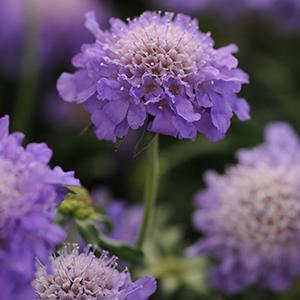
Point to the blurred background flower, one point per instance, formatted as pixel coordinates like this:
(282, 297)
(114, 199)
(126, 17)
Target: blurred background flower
(55, 24)
(284, 15)
(251, 216)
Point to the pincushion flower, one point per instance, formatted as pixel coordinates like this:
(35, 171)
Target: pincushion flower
(59, 31)
(251, 216)
(76, 275)
(29, 193)
(156, 69)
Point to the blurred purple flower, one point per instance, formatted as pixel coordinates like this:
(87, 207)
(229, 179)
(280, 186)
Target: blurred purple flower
(60, 32)
(84, 276)
(29, 193)
(251, 216)
(63, 115)
(126, 219)
(159, 67)
(284, 13)
(287, 15)
(187, 6)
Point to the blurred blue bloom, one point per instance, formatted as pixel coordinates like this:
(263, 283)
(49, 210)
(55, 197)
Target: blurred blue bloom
(284, 13)
(125, 219)
(58, 23)
(84, 276)
(188, 6)
(156, 66)
(29, 193)
(251, 216)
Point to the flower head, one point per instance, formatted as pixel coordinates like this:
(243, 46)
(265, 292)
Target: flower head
(76, 275)
(29, 193)
(160, 68)
(251, 216)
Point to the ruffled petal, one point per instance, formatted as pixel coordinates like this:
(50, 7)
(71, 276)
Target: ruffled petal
(77, 87)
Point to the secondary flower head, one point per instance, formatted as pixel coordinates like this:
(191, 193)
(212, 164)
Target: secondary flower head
(251, 216)
(159, 68)
(29, 192)
(76, 275)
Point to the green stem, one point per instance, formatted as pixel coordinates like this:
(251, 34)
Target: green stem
(27, 92)
(152, 175)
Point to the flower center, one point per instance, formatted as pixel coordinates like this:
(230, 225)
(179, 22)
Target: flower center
(160, 46)
(261, 207)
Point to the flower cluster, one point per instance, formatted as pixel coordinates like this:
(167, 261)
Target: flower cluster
(76, 275)
(160, 69)
(29, 193)
(251, 216)
(59, 31)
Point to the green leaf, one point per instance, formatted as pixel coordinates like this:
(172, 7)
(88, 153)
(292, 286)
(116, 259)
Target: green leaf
(91, 235)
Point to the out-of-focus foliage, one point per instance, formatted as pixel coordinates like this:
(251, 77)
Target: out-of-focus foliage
(165, 261)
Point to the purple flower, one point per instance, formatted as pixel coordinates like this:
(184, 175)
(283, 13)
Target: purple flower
(287, 15)
(188, 6)
(251, 216)
(284, 13)
(59, 31)
(29, 193)
(125, 219)
(84, 276)
(159, 69)
(225, 10)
